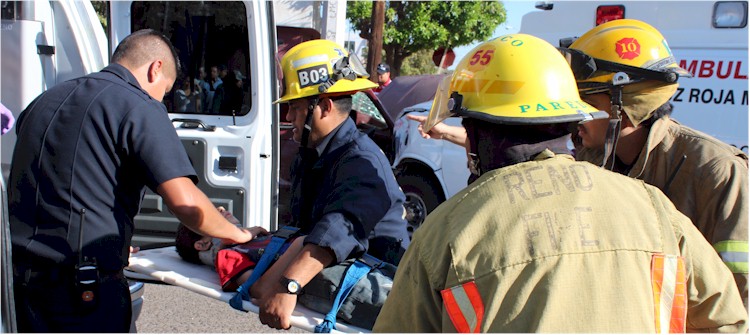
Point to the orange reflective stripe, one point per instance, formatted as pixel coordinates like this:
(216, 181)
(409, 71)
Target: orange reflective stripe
(475, 85)
(504, 87)
(669, 285)
(678, 321)
(464, 306)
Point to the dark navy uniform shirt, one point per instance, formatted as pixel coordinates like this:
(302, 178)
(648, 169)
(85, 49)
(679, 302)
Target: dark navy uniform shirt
(88, 145)
(349, 198)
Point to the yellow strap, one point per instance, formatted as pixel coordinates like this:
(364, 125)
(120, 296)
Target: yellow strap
(731, 245)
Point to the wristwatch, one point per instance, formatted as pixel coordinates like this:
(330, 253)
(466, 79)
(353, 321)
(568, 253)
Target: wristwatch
(292, 286)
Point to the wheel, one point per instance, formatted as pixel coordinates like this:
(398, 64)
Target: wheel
(422, 196)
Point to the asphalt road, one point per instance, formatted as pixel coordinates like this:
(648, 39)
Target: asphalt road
(171, 309)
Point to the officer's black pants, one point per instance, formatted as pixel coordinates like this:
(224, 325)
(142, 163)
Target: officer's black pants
(44, 305)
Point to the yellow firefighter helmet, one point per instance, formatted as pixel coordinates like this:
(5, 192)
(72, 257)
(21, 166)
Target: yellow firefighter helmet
(512, 79)
(628, 56)
(628, 46)
(321, 67)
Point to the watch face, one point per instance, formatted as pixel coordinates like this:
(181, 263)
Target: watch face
(292, 286)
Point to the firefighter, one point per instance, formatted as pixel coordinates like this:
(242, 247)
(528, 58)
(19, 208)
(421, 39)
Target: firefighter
(345, 198)
(626, 68)
(540, 242)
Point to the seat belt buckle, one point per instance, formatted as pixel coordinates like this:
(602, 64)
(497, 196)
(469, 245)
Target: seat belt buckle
(285, 232)
(87, 283)
(371, 261)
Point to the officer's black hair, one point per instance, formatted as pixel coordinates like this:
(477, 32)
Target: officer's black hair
(343, 103)
(185, 244)
(131, 48)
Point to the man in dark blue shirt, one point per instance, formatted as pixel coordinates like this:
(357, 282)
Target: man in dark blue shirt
(345, 198)
(86, 150)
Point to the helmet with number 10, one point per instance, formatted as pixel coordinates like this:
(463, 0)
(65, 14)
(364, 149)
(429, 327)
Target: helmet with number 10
(512, 79)
(321, 67)
(627, 42)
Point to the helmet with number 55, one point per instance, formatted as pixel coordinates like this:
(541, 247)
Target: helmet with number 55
(512, 79)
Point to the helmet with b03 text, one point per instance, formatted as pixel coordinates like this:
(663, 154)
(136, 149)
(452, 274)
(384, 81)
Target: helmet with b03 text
(320, 67)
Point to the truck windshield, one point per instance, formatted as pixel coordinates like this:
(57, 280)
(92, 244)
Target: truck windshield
(211, 38)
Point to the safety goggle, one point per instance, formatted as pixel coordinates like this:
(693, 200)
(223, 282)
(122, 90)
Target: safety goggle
(349, 68)
(585, 67)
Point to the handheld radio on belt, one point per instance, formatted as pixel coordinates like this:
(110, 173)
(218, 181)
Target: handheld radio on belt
(87, 273)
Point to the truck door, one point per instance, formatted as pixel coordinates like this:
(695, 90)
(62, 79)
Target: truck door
(221, 104)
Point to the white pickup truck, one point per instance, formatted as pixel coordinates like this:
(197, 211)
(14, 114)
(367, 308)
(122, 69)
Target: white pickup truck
(708, 38)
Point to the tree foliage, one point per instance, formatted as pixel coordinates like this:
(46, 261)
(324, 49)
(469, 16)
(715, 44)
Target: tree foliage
(101, 11)
(411, 26)
(418, 63)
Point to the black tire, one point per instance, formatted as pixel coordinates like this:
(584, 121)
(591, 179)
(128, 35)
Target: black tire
(422, 196)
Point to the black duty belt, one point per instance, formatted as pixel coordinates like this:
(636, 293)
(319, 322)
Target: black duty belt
(24, 274)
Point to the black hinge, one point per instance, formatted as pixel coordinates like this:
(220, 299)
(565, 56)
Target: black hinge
(45, 49)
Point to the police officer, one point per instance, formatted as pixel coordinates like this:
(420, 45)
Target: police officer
(345, 198)
(540, 242)
(384, 77)
(625, 67)
(86, 150)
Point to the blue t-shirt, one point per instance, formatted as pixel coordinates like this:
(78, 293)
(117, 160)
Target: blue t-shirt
(89, 145)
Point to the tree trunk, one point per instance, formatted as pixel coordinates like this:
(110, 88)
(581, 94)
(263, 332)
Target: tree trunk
(374, 54)
(396, 56)
(398, 60)
(389, 53)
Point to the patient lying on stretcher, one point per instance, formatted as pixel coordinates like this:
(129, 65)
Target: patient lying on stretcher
(231, 262)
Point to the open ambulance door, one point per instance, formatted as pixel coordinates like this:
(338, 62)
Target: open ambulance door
(233, 146)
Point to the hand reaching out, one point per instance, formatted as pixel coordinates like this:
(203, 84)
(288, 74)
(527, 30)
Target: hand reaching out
(440, 130)
(247, 233)
(436, 132)
(228, 215)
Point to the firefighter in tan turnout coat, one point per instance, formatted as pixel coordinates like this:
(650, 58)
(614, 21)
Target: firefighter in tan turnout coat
(630, 72)
(540, 242)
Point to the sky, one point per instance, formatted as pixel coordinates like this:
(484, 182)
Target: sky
(515, 10)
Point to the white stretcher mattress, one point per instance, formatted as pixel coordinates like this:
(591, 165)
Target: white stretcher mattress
(163, 264)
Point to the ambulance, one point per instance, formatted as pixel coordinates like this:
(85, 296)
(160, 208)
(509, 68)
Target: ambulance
(708, 38)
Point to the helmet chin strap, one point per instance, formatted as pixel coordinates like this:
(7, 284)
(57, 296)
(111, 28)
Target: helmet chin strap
(613, 133)
(473, 160)
(455, 105)
(619, 80)
(307, 129)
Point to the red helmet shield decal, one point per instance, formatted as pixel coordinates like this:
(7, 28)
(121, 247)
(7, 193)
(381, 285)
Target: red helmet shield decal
(628, 48)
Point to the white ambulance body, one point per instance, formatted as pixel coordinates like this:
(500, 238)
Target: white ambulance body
(708, 38)
(43, 43)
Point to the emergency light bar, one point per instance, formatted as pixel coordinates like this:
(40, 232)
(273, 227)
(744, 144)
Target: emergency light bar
(730, 14)
(608, 13)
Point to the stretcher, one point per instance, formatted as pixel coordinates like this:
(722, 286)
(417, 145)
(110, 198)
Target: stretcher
(163, 264)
